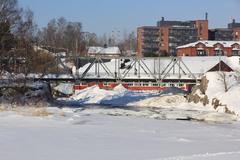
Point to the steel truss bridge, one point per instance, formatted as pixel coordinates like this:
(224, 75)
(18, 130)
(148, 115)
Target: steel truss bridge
(127, 69)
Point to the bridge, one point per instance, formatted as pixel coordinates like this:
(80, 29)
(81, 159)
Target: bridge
(142, 71)
(174, 70)
(127, 69)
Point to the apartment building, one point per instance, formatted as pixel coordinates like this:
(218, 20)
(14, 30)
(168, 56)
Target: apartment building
(231, 33)
(148, 40)
(168, 35)
(236, 30)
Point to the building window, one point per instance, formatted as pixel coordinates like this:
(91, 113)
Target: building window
(201, 52)
(218, 52)
(83, 84)
(172, 85)
(235, 52)
(155, 84)
(181, 85)
(145, 84)
(130, 84)
(105, 84)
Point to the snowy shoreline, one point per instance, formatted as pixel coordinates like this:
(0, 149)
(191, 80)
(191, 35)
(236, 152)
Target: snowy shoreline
(164, 105)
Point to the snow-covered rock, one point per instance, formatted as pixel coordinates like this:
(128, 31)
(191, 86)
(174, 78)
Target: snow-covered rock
(222, 92)
(227, 92)
(65, 88)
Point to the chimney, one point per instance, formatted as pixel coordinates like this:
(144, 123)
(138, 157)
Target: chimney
(233, 20)
(206, 16)
(162, 18)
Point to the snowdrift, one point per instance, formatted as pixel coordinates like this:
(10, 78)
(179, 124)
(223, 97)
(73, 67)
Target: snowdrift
(119, 96)
(226, 91)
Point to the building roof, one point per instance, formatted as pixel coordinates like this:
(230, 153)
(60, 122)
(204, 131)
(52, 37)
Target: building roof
(221, 29)
(221, 66)
(104, 51)
(210, 44)
(149, 27)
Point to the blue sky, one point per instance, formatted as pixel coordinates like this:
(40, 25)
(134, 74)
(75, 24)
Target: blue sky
(104, 16)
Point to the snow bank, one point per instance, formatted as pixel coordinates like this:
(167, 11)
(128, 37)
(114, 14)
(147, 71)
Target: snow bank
(92, 95)
(216, 90)
(121, 97)
(161, 101)
(118, 96)
(120, 88)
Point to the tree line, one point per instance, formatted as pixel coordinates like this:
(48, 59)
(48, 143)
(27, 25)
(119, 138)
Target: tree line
(21, 38)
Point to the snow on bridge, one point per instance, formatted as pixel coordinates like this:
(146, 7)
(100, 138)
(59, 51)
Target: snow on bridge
(159, 68)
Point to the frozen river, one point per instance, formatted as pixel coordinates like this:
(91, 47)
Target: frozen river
(94, 132)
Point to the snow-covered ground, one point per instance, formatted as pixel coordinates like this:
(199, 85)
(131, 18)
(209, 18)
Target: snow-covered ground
(78, 134)
(177, 103)
(123, 124)
(216, 89)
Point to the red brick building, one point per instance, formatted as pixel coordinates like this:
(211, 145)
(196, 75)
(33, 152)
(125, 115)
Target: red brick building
(236, 33)
(210, 48)
(164, 38)
(176, 33)
(148, 40)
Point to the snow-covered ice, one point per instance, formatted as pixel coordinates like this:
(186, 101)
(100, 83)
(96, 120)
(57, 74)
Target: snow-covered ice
(73, 134)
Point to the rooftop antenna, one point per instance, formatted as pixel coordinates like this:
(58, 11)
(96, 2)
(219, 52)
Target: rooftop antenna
(206, 16)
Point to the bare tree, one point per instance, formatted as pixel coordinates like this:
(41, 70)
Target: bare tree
(63, 34)
(49, 33)
(26, 35)
(16, 32)
(9, 18)
(129, 42)
(224, 80)
(10, 13)
(228, 80)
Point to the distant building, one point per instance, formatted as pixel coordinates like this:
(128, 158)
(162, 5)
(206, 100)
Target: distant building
(231, 33)
(164, 38)
(171, 37)
(236, 30)
(221, 34)
(176, 33)
(104, 52)
(148, 40)
(233, 24)
(210, 48)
